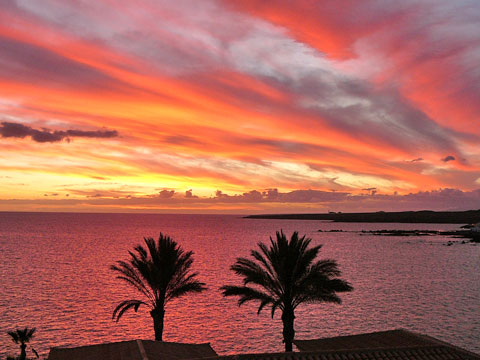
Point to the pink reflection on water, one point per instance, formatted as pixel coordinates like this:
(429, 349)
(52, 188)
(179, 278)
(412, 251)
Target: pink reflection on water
(55, 275)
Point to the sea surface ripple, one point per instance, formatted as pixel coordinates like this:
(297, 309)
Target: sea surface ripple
(55, 275)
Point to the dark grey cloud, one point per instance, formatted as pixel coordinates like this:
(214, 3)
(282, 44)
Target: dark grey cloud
(36, 65)
(378, 114)
(181, 140)
(16, 130)
(435, 39)
(273, 195)
(353, 106)
(166, 194)
(448, 158)
(189, 194)
(102, 193)
(417, 159)
(285, 146)
(371, 190)
(252, 196)
(320, 201)
(305, 196)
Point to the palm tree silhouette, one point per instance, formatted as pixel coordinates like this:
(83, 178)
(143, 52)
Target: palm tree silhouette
(284, 276)
(22, 337)
(160, 272)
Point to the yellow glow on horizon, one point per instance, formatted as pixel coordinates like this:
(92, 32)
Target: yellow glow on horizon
(305, 105)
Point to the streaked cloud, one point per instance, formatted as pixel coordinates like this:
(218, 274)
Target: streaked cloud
(298, 98)
(257, 201)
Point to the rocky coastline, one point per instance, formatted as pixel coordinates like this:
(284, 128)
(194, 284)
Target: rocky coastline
(425, 216)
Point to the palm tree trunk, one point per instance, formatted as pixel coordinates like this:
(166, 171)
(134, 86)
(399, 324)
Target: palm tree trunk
(23, 353)
(288, 318)
(158, 315)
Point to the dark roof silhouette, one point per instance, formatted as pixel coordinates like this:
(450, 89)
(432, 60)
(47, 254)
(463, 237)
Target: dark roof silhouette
(391, 344)
(374, 340)
(134, 350)
(428, 353)
(384, 345)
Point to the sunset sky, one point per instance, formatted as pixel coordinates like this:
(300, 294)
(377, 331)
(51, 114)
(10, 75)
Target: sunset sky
(239, 106)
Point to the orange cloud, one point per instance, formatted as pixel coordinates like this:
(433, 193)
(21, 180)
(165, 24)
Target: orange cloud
(283, 97)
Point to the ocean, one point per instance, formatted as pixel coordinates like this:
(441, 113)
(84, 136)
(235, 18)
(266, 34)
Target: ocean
(55, 276)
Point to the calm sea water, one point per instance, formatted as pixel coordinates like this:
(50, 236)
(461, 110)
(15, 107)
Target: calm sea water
(55, 276)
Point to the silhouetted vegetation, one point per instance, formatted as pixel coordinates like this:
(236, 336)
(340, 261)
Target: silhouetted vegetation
(285, 275)
(22, 337)
(160, 273)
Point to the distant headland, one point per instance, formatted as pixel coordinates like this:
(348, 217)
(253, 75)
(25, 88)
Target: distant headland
(425, 216)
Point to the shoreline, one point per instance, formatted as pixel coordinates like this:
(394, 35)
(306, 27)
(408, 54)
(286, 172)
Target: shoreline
(415, 217)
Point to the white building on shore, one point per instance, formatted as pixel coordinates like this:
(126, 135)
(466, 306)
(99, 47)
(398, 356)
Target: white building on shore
(476, 227)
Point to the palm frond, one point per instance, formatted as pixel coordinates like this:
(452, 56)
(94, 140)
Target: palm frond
(22, 335)
(327, 267)
(130, 275)
(14, 336)
(160, 271)
(322, 290)
(278, 304)
(186, 287)
(263, 303)
(124, 306)
(255, 274)
(246, 294)
(304, 260)
(29, 333)
(316, 297)
(285, 275)
(142, 264)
